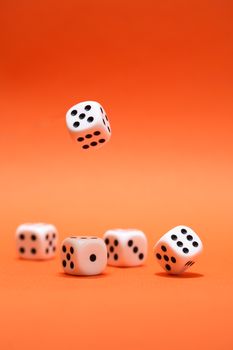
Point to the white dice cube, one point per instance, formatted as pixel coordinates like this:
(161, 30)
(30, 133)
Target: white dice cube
(88, 124)
(83, 255)
(178, 249)
(126, 247)
(36, 241)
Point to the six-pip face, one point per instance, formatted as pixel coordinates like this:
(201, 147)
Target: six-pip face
(178, 249)
(88, 124)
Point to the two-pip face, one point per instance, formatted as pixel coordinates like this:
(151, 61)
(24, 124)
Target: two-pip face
(88, 124)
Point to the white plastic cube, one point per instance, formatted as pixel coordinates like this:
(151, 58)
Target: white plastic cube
(126, 247)
(83, 255)
(178, 249)
(36, 241)
(88, 124)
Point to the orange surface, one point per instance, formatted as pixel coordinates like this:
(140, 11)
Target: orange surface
(163, 71)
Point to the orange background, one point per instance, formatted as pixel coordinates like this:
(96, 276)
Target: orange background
(163, 72)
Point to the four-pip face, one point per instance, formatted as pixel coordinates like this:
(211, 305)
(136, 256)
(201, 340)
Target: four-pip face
(88, 124)
(36, 241)
(126, 247)
(82, 255)
(178, 249)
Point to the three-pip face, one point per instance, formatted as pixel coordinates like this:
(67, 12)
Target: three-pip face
(82, 255)
(126, 247)
(36, 241)
(178, 249)
(88, 124)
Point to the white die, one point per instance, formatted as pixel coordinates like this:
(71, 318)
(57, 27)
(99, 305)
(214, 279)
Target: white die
(178, 249)
(126, 247)
(36, 241)
(88, 124)
(81, 255)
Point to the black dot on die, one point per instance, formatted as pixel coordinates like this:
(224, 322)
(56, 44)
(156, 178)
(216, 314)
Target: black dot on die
(116, 242)
(189, 238)
(74, 112)
(115, 257)
(54, 249)
(76, 124)
(85, 147)
(71, 265)
(93, 257)
(141, 256)
(47, 237)
(174, 237)
(51, 243)
(173, 259)
(135, 249)
(72, 250)
(101, 110)
(168, 267)
(87, 108)
(47, 250)
(106, 117)
(166, 258)
(94, 143)
(82, 116)
(158, 256)
(101, 140)
(22, 236)
(108, 255)
(184, 231)
(180, 244)
(97, 133)
(88, 136)
(33, 251)
(111, 249)
(80, 139)
(104, 122)
(22, 250)
(54, 235)
(90, 119)
(33, 237)
(68, 256)
(185, 250)
(195, 244)
(106, 241)
(64, 263)
(130, 243)
(109, 129)
(164, 249)
(64, 248)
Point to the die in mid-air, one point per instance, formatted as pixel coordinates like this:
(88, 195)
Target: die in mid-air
(36, 241)
(126, 247)
(88, 124)
(178, 249)
(83, 255)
